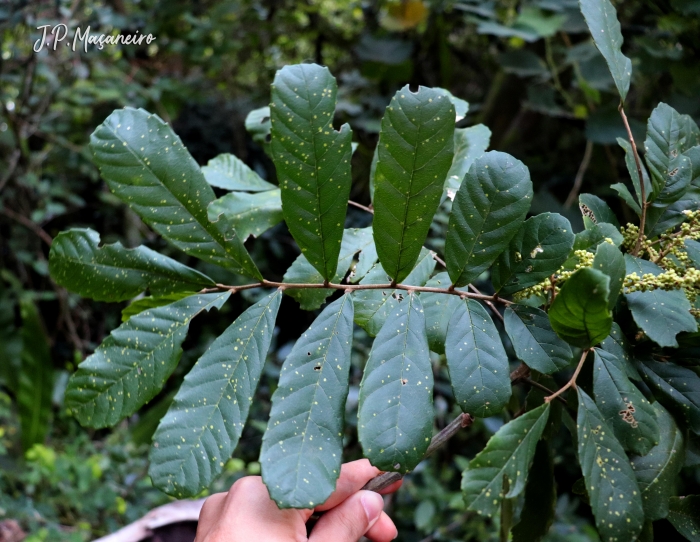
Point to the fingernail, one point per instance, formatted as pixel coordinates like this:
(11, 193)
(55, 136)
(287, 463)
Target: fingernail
(372, 503)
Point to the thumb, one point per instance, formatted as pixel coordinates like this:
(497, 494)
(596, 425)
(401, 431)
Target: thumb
(348, 521)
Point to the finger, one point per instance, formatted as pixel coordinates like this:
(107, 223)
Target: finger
(382, 531)
(352, 477)
(247, 510)
(392, 488)
(211, 510)
(348, 521)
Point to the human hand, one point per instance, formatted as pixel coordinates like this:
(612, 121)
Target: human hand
(247, 513)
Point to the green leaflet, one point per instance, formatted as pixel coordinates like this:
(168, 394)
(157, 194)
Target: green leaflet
(612, 488)
(301, 271)
(231, 173)
(461, 106)
(312, 161)
(303, 445)
(580, 313)
(438, 310)
(470, 144)
(610, 261)
(603, 25)
(595, 210)
(591, 238)
(395, 416)
(487, 212)
(202, 426)
(623, 406)
(538, 249)
(507, 454)
(249, 214)
(616, 343)
(626, 195)
(634, 174)
(694, 155)
(693, 250)
(146, 166)
(35, 379)
(151, 302)
(416, 147)
(657, 470)
(131, 365)
(677, 388)
(662, 219)
(534, 341)
(114, 273)
(671, 171)
(538, 512)
(684, 515)
(477, 361)
(649, 308)
(258, 125)
(372, 307)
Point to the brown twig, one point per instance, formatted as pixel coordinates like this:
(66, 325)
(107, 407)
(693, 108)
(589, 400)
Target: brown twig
(386, 479)
(572, 381)
(578, 181)
(24, 221)
(545, 389)
(642, 188)
(360, 206)
(353, 287)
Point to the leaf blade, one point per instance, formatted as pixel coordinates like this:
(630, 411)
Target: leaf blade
(137, 154)
(487, 212)
(213, 403)
(114, 273)
(395, 415)
(231, 173)
(477, 361)
(312, 161)
(131, 365)
(416, 147)
(303, 444)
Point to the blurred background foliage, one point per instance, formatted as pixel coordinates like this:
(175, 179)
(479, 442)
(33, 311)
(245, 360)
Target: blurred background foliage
(530, 73)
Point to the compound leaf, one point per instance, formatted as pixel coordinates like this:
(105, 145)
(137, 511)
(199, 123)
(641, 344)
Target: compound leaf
(145, 165)
(509, 454)
(131, 365)
(372, 307)
(676, 387)
(487, 212)
(611, 485)
(301, 271)
(312, 161)
(594, 210)
(416, 147)
(623, 406)
(477, 361)
(302, 447)
(649, 308)
(202, 426)
(395, 416)
(671, 171)
(114, 273)
(538, 249)
(657, 470)
(249, 214)
(580, 314)
(35, 379)
(684, 515)
(603, 25)
(231, 173)
(534, 341)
